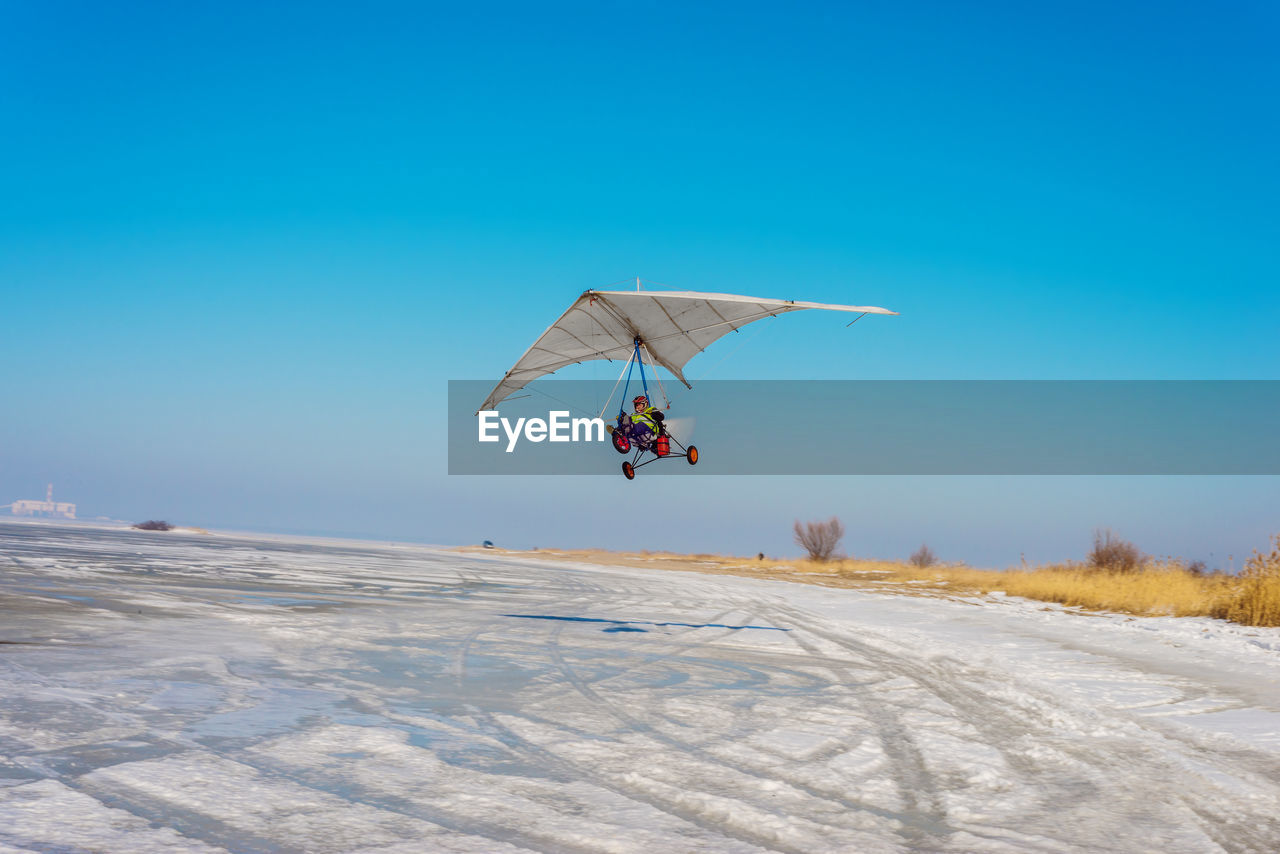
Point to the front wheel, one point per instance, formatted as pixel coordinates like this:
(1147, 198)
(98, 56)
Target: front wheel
(692, 455)
(621, 443)
(629, 471)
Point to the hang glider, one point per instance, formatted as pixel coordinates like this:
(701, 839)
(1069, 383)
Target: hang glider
(671, 326)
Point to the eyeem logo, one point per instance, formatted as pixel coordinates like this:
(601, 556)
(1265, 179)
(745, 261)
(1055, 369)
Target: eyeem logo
(558, 427)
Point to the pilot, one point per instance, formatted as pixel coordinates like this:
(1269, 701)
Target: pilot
(645, 420)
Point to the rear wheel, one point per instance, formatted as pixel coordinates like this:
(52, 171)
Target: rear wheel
(629, 471)
(621, 443)
(692, 455)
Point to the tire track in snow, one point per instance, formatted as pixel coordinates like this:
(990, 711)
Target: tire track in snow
(914, 826)
(678, 650)
(911, 823)
(923, 817)
(1012, 717)
(350, 792)
(571, 769)
(188, 822)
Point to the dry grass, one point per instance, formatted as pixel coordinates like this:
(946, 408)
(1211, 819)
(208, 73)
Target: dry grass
(1255, 597)
(1163, 588)
(1159, 589)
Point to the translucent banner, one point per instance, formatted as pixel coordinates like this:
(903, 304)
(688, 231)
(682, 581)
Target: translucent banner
(780, 427)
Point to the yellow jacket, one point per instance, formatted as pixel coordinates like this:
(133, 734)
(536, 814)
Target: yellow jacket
(646, 417)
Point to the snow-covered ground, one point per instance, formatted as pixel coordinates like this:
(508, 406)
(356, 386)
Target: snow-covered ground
(163, 692)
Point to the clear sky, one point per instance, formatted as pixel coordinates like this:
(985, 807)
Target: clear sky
(243, 247)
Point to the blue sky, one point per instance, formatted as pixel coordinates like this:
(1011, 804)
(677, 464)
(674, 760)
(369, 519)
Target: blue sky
(243, 249)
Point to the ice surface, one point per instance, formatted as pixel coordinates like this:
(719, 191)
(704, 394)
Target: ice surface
(171, 692)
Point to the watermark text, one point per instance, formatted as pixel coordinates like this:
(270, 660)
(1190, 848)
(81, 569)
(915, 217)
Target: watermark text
(557, 427)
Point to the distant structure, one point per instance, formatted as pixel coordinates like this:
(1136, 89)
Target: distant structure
(48, 507)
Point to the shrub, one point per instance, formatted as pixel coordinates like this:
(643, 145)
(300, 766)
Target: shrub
(819, 539)
(1114, 554)
(923, 557)
(153, 525)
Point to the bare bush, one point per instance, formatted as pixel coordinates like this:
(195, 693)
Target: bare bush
(923, 557)
(1114, 554)
(819, 539)
(153, 525)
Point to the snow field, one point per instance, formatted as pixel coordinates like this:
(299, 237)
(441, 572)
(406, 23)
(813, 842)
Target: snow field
(223, 693)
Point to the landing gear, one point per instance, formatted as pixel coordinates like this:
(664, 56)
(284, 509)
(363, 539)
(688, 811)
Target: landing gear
(690, 454)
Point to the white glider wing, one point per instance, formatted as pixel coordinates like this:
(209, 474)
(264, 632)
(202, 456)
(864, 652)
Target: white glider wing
(673, 326)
